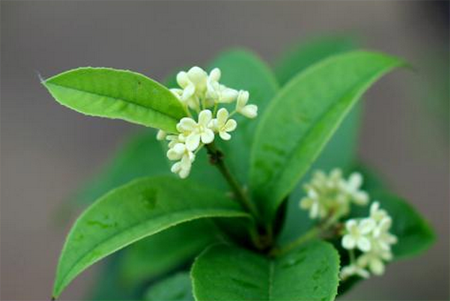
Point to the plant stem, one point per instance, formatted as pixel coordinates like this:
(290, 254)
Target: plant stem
(309, 235)
(216, 157)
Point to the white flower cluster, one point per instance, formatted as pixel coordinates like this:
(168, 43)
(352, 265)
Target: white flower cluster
(329, 198)
(372, 238)
(331, 195)
(201, 94)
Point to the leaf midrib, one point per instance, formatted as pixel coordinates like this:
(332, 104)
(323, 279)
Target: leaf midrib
(319, 119)
(113, 98)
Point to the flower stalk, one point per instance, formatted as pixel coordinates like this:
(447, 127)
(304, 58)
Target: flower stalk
(216, 158)
(308, 236)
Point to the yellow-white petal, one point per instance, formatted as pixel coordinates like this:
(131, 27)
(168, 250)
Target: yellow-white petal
(348, 242)
(364, 244)
(192, 141)
(204, 117)
(224, 135)
(230, 125)
(182, 79)
(249, 111)
(186, 124)
(207, 136)
(222, 116)
(161, 135)
(215, 74)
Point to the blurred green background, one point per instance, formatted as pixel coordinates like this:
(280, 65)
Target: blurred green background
(47, 151)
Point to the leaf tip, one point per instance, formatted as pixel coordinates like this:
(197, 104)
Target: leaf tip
(42, 80)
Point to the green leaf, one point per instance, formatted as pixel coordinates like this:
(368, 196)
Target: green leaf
(107, 284)
(228, 273)
(139, 209)
(303, 55)
(302, 118)
(139, 156)
(174, 288)
(142, 155)
(340, 151)
(122, 94)
(166, 250)
(244, 70)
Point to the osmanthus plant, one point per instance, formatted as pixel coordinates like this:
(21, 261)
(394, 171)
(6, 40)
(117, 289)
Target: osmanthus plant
(224, 207)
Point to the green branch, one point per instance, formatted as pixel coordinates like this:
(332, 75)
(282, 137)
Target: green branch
(216, 158)
(309, 235)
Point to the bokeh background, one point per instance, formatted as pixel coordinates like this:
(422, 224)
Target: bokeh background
(48, 151)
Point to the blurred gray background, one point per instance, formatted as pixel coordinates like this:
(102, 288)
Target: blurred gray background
(47, 151)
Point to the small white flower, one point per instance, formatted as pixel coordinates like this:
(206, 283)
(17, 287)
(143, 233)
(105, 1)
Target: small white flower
(183, 167)
(192, 102)
(180, 152)
(352, 187)
(333, 194)
(376, 213)
(357, 234)
(196, 131)
(249, 111)
(223, 125)
(174, 139)
(313, 204)
(177, 92)
(214, 75)
(352, 270)
(381, 234)
(383, 221)
(199, 91)
(161, 135)
(216, 92)
(193, 82)
(374, 260)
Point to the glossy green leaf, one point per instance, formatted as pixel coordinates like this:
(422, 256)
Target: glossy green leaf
(302, 118)
(339, 152)
(132, 212)
(175, 288)
(121, 94)
(142, 155)
(138, 156)
(304, 54)
(108, 285)
(167, 250)
(228, 273)
(244, 70)
(341, 149)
